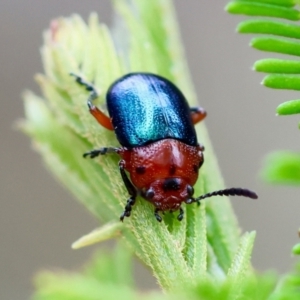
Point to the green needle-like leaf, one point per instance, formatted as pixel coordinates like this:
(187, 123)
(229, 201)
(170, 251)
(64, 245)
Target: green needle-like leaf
(282, 81)
(106, 232)
(241, 262)
(255, 8)
(195, 249)
(289, 108)
(273, 65)
(269, 27)
(286, 3)
(276, 45)
(240, 266)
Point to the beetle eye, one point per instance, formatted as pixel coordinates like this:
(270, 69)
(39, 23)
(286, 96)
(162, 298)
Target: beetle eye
(190, 190)
(149, 194)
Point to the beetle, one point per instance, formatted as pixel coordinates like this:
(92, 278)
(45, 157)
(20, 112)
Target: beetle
(159, 149)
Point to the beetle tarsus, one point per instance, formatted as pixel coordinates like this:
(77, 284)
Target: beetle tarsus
(181, 214)
(157, 216)
(92, 154)
(101, 151)
(128, 208)
(89, 87)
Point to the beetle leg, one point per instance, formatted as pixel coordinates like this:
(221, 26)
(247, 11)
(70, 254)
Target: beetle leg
(128, 208)
(157, 216)
(181, 213)
(101, 151)
(197, 114)
(131, 191)
(102, 119)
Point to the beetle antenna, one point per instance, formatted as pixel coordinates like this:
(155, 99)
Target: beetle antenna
(230, 192)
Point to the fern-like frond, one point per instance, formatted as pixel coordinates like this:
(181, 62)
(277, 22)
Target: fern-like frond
(276, 35)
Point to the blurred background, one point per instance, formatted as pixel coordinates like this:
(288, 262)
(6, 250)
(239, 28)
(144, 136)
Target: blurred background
(39, 219)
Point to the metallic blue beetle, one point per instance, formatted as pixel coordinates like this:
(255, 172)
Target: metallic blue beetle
(159, 149)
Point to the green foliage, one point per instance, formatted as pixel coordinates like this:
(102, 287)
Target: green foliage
(106, 232)
(282, 166)
(98, 280)
(62, 129)
(107, 277)
(203, 257)
(278, 28)
(280, 66)
(296, 249)
(289, 107)
(279, 37)
(289, 287)
(277, 9)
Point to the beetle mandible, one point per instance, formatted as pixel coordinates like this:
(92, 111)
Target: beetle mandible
(159, 149)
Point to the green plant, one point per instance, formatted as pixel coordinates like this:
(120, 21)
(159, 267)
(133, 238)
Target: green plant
(281, 167)
(202, 257)
(279, 36)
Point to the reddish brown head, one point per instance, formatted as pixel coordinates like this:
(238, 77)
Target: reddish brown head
(164, 172)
